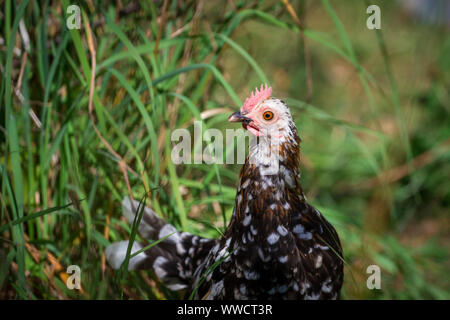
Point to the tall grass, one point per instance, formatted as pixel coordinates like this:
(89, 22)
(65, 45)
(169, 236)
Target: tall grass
(87, 116)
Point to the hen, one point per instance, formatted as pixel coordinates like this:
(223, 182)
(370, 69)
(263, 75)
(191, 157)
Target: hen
(276, 245)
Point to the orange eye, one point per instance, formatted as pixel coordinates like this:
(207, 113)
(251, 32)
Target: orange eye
(268, 115)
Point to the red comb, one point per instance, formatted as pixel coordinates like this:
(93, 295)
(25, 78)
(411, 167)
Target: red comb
(257, 97)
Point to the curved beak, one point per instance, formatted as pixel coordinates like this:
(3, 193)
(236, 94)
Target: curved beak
(238, 117)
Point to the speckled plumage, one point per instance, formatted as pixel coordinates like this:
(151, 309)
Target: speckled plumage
(276, 245)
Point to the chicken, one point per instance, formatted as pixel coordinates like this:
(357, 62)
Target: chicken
(276, 245)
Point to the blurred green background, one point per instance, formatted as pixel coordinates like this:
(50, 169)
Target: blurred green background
(372, 108)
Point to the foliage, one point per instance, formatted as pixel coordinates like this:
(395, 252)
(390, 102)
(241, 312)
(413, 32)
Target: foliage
(375, 133)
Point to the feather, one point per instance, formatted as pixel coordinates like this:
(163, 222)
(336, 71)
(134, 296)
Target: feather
(276, 245)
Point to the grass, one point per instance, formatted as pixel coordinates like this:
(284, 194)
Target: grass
(87, 116)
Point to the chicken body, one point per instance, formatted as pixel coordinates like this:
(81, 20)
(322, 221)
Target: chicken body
(276, 246)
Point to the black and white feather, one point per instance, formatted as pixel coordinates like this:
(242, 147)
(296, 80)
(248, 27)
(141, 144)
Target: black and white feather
(276, 246)
(174, 259)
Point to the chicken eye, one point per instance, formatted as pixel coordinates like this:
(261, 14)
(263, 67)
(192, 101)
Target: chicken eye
(268, 115)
